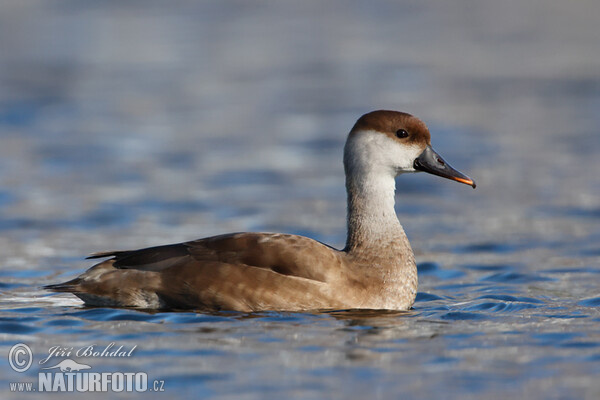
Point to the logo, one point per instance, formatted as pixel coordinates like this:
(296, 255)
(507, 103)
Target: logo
(20, 357)
(65, 374)
(69, 366)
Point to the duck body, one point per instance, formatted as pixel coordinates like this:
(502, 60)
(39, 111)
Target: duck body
(270, 271)
(246, 272)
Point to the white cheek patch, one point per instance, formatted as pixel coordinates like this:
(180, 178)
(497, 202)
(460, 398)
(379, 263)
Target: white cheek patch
(374, 150)
(405, 156)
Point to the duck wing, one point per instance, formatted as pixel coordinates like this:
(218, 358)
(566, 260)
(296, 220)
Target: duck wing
(282, 253)
(240, 271)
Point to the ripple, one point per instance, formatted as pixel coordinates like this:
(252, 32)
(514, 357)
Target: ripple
(501, 306)
(488, 268)
(283, 317)
(443, 360)
(487, 247)
(592, 302)
(593, 251)
(132, 316)
(115, 216)
(192, 318)
(578, 212)
(423, 297)
(458, 286)
(161, 205)
(505, 297)
(588, 270)
(193, 379)
(321, 144)
(24, 273)
(565, 316)
(18, 328)
(26, 310)
(239, 178)
(434, 269)
(107, 214)
(162, 352)
(6, 286)
(514, 277)
(427, 267)
(554, 338)
(19, 113)
(580, 345)
(19, 319)
(110, 314)
(594, 358)
(115, 314)
(312, 349)
(462, 316)
(68, 322)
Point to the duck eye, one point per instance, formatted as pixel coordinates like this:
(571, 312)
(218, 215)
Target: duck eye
(401, 134)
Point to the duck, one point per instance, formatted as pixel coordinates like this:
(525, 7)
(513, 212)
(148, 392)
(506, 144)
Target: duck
(259, 271)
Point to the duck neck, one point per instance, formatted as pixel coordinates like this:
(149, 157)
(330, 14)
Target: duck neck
(372, 222)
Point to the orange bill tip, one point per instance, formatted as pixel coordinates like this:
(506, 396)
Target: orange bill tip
(467, 181)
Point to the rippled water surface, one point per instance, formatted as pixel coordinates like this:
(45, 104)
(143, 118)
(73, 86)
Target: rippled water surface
(131, 124)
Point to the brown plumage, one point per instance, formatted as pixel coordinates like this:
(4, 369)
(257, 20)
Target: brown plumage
(266, 271)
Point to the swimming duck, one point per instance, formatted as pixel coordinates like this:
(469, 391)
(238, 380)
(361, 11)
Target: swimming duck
(273, 271)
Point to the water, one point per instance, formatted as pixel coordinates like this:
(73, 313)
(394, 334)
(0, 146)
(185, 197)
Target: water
(125, 125)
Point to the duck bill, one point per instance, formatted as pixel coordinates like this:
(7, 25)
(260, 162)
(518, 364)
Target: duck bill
(431, 162)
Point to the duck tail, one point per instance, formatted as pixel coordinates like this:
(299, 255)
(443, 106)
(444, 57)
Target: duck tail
(68, 287)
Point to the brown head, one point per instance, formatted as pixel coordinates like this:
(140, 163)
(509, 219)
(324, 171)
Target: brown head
(395, 142)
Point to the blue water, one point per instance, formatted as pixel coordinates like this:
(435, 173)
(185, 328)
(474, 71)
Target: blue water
(126, 125)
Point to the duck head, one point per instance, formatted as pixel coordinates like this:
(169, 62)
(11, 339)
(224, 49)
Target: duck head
(392, 142)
